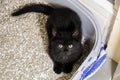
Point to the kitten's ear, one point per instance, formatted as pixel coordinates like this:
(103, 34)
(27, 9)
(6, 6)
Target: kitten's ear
(54, 32)
(75, 34)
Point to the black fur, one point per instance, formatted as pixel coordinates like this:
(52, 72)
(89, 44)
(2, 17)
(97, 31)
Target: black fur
(34, 8)
(64, 34)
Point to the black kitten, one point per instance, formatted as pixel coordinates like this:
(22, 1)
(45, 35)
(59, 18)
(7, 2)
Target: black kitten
(64, 34)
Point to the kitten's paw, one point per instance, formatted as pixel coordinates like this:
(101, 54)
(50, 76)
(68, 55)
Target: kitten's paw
(57, 70)
(67, 69)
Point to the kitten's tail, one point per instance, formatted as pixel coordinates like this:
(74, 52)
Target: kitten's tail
(39, 8)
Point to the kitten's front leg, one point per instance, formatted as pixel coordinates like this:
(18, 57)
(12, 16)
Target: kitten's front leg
(57, 67)
(68, 68)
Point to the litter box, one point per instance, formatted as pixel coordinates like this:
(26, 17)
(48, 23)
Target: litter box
(91, 30)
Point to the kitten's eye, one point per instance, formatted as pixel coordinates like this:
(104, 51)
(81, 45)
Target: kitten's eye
(70, 46)
(60, 46)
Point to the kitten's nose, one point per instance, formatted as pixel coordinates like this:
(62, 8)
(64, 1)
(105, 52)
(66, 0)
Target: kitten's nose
(65, 50)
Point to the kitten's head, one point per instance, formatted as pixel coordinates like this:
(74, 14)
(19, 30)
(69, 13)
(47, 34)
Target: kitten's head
(65, 50)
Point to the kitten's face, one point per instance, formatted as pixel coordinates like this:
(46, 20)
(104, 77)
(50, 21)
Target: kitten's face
(65, 51)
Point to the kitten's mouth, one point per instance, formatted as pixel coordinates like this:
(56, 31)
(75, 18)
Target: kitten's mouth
(68, 54)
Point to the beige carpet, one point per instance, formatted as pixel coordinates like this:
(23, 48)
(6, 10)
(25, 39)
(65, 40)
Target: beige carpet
(23, 45)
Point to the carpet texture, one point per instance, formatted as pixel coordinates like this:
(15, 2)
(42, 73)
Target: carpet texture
(23, 45)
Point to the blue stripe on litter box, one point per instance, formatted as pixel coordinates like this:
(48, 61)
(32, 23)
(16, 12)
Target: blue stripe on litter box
(102, 48)
(90, 69)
